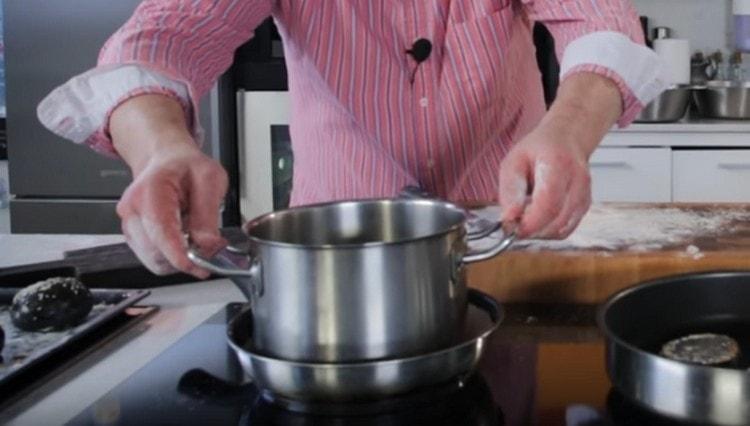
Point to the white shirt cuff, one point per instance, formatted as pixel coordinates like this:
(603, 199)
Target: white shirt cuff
(79, 108)
(637, 65)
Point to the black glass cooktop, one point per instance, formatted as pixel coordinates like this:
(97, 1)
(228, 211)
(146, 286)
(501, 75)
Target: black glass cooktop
(542, 367)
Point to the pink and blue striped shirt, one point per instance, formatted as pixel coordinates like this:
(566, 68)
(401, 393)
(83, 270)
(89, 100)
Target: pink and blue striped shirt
(359, 126)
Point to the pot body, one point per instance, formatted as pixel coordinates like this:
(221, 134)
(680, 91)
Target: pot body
(356, 281)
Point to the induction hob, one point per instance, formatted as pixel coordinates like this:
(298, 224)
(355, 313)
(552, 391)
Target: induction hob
(524, 378)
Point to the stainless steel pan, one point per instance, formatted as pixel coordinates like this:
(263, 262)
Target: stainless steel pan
(366, 380)
(639, 320)
(356, 280)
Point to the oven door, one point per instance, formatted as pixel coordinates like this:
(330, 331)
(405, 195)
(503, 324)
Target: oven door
(265, 152)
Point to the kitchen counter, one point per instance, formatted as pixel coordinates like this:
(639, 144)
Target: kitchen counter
(616, 246)
(21, 249)
(690, 125)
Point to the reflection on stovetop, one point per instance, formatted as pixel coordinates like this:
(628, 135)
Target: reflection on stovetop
(468, 403)
(549, 381)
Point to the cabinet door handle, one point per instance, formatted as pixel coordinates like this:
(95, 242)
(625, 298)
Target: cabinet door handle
(734, 166)
(610, 164)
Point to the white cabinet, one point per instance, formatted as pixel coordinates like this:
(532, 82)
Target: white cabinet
(711, 175)
(631, 174)
(705, 160)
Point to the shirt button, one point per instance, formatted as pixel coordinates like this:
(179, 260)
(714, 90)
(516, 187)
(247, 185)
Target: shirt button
(423, 102)
(430, 163)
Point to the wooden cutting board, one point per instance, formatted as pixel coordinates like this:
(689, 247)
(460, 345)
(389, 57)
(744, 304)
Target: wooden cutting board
(617, 246)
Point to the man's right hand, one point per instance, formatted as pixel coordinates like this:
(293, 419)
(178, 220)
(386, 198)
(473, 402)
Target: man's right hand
(177, 190)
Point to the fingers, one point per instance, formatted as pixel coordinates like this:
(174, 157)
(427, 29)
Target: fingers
(575, 206)
(144, 249)
(575, 218)
(150, 213)
(514, 186)
(558, 203)
(202, 220)
(160, 215)
(551, 184)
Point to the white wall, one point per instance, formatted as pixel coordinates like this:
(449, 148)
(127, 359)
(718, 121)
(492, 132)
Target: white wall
(707, 23)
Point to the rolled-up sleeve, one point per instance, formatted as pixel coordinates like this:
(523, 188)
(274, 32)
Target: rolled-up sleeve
(173, 47)
(603, 37)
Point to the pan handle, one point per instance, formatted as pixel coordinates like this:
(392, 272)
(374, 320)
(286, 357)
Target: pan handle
(249, 282)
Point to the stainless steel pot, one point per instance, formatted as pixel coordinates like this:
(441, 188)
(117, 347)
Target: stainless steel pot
(355, 280)
(723, 99)
(671, 105)
(367, 380)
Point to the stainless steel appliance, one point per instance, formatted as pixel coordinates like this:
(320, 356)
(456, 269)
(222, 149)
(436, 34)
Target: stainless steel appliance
(59, 187)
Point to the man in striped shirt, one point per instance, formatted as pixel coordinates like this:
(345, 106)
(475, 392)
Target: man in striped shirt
(468, 123)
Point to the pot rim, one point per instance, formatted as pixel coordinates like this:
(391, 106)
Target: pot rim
(615, 338)
(269, 216)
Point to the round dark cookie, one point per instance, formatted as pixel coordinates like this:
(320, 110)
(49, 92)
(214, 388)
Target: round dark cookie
(53, 304)
(702, 349)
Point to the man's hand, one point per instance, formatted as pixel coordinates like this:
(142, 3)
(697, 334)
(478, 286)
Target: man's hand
(545, 185)
(176, 190)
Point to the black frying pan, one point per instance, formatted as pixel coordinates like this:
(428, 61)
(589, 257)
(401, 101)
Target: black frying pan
(639, 320)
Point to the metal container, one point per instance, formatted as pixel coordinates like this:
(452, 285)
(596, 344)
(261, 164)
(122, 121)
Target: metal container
(723, 99)
(355, 280)
(639, 320)
(670, 106)
(367, 380)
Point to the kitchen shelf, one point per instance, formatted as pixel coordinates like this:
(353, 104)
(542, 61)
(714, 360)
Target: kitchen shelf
(690, 125)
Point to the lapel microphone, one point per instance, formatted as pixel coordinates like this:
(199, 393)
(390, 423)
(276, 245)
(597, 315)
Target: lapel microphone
(420, 51)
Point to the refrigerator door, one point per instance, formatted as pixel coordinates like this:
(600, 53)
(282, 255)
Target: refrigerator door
(48, 42)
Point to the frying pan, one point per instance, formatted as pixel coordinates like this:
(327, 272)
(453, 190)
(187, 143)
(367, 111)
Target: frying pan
(372, 379)
(639, 320)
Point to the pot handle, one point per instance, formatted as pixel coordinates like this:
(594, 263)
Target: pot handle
(473, 256)
(221, 264)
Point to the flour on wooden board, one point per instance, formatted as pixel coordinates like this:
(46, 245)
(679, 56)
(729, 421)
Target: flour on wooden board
(639, 229)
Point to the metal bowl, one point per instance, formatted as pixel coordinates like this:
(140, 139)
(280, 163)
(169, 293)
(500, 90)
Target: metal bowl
(671, 105)
(306, 381)
(723, 99)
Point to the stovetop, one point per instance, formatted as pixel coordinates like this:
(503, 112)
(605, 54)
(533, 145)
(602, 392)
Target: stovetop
(544, 366)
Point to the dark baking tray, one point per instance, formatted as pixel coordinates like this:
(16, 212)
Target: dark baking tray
(117, 302)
